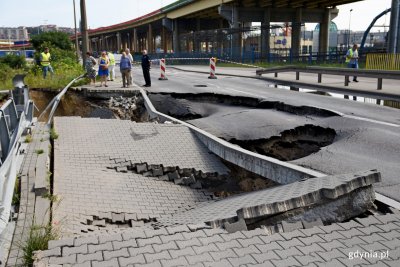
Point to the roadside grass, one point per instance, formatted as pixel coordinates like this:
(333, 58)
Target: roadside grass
(38, 239)
(53, 134)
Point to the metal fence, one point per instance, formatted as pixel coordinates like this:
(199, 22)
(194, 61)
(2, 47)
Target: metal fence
(15, 116)
(383, 61)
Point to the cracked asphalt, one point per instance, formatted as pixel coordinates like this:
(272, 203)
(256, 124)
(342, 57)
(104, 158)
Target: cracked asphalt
(368, 135)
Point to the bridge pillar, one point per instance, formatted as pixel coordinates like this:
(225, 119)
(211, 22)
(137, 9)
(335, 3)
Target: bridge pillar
(164, 42)
(296, 32)
(231, 14)
(118, 42)
(265, 33)
(394, 32)
(196, 41)
(150, 39)
(135, 47)
(175, 33)
(324, 32)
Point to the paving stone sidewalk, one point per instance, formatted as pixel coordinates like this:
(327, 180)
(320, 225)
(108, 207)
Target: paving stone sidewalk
(95, 198)
(334, 245)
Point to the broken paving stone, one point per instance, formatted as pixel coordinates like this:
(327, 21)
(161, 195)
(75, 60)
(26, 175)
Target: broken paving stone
(164, 177)
(158, 172)
(185, 172)
(105, 215)
(122, 169)
(130, 216)
(141, 168)
(173, 175)
(137, 223)
(196, 185)
(311, 224)
(100, 223)
(169, 169)
(291, 226)
(236, 226)
(185, 180)
(147, 174)
(144, 217)
(118, 217)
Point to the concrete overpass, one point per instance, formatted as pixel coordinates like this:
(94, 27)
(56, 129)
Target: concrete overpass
(190, 26)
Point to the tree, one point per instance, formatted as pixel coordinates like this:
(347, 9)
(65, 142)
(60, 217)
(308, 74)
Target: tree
(56, 39)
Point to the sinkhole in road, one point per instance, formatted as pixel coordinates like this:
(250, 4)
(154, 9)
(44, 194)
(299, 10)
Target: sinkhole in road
(189, 106)
(291, 144)
(75, 104)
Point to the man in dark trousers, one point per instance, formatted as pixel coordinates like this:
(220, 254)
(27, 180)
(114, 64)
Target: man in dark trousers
(146, 68)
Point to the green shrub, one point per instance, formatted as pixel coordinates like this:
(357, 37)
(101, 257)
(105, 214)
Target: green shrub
(38, 239)
(13, 61)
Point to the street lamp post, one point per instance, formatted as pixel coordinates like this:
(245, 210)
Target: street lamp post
(84, 33)
(76, 35)
(348, 37)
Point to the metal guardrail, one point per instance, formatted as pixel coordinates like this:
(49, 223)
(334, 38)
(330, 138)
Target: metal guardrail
(14, 119)
(56, 100)
(379, 74)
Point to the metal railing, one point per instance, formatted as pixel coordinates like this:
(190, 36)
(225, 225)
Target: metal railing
(383, 61)
(379, 74)
(56, 100)
(14, 119)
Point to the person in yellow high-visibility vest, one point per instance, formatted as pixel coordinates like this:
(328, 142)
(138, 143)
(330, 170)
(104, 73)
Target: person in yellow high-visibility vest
(352, 59)
(111, 66)
(45, 59)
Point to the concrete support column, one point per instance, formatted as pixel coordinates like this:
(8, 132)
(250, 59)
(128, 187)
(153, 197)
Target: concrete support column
(265, 34)
(394, 32)
(118, 42)
(135, 47)
(296, 32)
(150, 39)
(175, 37)
(164, 41)
(324, 32)
(236, 44)
(196, 40)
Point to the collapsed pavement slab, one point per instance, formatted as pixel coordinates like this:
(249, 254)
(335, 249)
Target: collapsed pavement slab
(330, 198)
(97, 198)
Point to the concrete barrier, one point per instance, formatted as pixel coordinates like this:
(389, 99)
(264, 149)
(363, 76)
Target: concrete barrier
(276, 170)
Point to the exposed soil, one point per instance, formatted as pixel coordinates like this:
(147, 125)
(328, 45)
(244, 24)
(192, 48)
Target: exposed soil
(292, 144)
(74, 104)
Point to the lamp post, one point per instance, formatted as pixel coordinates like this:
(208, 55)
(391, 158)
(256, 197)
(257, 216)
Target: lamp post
(348, 38)
(84, 33)
(76, 35)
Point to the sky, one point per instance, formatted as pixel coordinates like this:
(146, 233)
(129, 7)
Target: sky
(105, 12)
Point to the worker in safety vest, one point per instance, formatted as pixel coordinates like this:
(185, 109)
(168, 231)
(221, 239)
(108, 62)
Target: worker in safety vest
(111, 66)
(45, 59)
(352, 59)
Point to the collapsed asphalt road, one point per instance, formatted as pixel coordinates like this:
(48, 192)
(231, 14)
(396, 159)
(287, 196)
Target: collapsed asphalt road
(367, 136)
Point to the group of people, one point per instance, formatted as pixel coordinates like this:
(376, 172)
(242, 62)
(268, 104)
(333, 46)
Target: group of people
(106, 69)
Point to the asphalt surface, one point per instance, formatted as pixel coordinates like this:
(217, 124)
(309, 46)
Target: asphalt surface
(368, 135)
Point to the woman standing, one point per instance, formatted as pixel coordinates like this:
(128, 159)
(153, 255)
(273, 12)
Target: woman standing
(103, 68)
(125, 68)
(90, 70)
